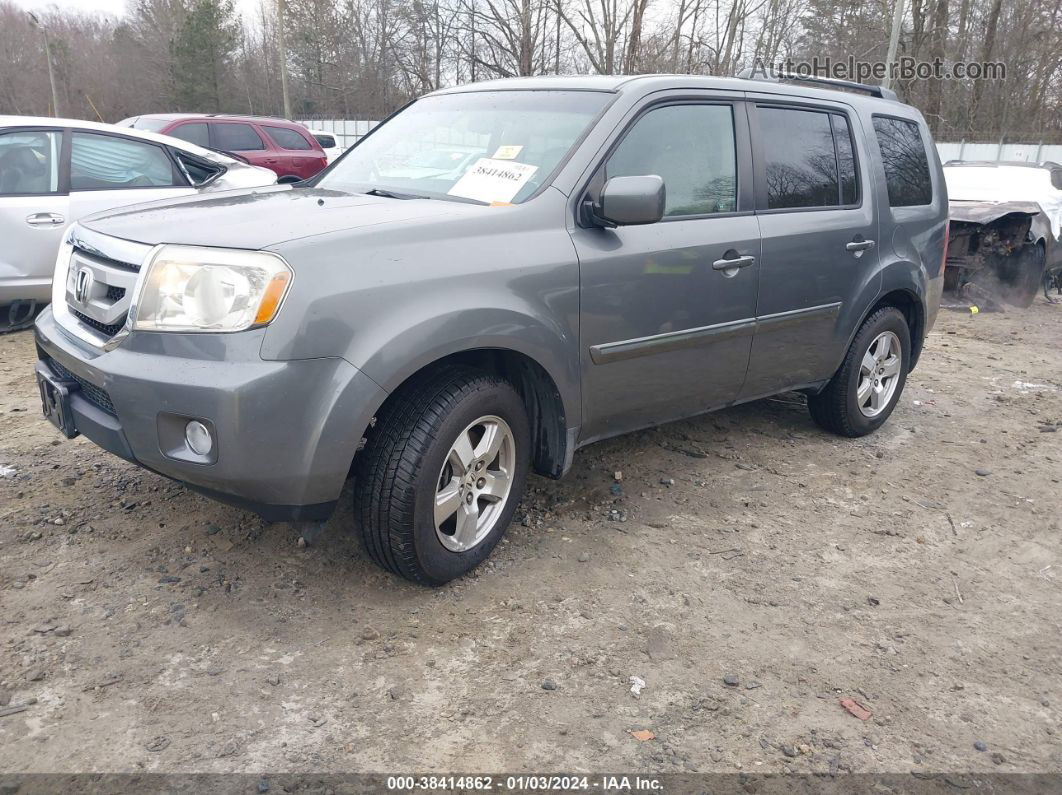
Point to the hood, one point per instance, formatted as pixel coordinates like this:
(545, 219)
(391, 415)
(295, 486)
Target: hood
(985, 212)
(264, 217)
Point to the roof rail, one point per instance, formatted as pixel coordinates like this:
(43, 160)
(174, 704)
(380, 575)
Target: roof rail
(771, 76)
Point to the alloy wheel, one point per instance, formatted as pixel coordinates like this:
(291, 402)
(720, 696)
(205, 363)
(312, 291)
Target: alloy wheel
(879, 374)
(474, 483)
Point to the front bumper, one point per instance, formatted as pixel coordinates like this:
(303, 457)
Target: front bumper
(286, 431)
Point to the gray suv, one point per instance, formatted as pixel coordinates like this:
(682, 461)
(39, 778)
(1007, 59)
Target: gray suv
(620, 252)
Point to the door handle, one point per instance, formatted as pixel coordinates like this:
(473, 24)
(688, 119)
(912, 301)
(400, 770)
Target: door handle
(45, 219)
(859, 245)
(731, 264)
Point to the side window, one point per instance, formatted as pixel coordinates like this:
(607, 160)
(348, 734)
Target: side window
(194, 132)
(1056, 178)
(692, 148)
(906, 165)
(104, 162)
(29, 163)
(846, 162)
(326, 141)
(236, 137)
(800, 159)
(199, 172)
(287, 139)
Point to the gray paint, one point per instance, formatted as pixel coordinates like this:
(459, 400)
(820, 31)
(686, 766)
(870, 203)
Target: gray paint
(635, 325)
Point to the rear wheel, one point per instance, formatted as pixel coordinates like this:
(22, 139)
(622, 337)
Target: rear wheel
(441, 475)
(866, 388)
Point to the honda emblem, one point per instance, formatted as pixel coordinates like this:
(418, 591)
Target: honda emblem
(82, 285)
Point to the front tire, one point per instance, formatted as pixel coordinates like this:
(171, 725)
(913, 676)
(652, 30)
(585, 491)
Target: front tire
(867, 387)
(442, 474)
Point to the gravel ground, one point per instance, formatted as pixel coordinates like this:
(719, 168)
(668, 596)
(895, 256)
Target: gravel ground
(751, 570)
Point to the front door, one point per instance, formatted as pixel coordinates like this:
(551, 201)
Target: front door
(819, 228)
(667, 309)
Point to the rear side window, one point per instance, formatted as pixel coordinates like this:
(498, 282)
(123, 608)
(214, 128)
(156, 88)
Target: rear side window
(236, 137)
(193, 132)
(906, 166)
(800, 158)
(691, 147)
(326, 141)
(1056, 178)
(287, 139)
(104, 162)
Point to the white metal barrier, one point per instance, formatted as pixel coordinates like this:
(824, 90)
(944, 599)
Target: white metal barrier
(1027, 153)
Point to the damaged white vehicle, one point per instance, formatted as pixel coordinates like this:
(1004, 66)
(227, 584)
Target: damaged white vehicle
(55, 171)
(1006, 228)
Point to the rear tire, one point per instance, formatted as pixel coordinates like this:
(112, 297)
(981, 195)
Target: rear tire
(457, 439)
(865, 390)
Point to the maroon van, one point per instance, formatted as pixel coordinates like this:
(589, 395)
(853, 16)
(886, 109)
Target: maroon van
(277, 144)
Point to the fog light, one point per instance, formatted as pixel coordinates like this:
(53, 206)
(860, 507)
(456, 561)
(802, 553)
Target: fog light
(198, 438)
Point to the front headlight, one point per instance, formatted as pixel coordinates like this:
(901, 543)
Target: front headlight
(189, 288)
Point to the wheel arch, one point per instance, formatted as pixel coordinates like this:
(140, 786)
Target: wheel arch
(549, 413)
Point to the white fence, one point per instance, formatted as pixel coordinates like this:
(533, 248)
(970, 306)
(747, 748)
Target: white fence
(1030, 153)
(346, 132)
(349, 132)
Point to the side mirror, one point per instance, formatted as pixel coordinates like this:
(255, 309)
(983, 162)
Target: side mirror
(628, 201)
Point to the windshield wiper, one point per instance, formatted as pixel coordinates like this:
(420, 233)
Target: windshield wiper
(390, 194)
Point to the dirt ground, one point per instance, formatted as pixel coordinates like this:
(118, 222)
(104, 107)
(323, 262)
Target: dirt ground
(752, 570)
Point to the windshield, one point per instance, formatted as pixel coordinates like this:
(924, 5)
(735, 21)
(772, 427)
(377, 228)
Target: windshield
(145, 123)
(485, 146)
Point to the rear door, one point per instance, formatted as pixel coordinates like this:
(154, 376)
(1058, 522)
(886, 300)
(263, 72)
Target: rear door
(109, 171)
(666, 327)
(304, 158)
(244, 140)
(819, 227)
(34, 211)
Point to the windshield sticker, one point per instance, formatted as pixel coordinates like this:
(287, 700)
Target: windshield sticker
(491, 180)
(508, 152)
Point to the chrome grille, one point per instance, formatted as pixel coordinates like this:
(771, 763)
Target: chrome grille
(95, 283)
(99, 290)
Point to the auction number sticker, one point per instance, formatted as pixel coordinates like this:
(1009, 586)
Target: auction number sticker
(491, 180)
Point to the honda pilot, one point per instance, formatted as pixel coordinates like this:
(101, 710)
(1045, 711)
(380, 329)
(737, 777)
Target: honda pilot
(496, 276)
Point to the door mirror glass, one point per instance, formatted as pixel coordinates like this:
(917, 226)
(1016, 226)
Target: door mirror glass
(629, 201)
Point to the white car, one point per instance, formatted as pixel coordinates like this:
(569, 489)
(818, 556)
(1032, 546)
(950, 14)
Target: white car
(329, 143)
(55, 171)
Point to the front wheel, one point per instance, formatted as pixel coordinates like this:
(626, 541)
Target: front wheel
(867, 387)
(441, 475)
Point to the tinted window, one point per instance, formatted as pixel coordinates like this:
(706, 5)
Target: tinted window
(287, 139)
(904, 158)
(29, 163)
(692, 148)
(194, 132)
(1056, 178)
(103, 162)
(237, 138)
(846, 163)
(800, 161)
(326, 141)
